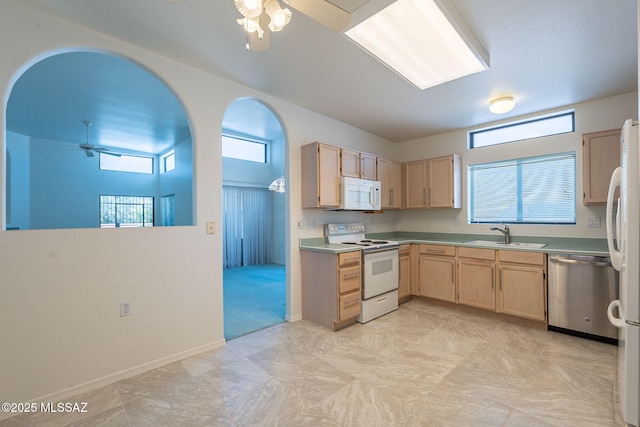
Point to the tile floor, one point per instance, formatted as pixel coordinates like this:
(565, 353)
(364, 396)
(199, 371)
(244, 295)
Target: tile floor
(422, 365)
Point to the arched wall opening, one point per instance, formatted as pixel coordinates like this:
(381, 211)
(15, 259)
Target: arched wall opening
(94, 140)
(255, 227)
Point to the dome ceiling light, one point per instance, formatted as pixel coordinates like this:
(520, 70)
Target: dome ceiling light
(502, 105)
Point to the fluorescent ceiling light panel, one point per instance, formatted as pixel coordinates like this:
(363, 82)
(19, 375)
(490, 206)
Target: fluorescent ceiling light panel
(425, 41)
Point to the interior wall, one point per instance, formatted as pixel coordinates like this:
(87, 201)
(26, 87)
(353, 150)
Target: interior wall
(599, 115)
(18, 184)
(60, 289)
(179, 182)
(54, 185)
(245, 173)
(278, 220)
(66, 186)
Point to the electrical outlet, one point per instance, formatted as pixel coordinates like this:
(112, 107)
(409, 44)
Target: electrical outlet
(211, 227)
(300, 224)
(125, 308)
(593, 222)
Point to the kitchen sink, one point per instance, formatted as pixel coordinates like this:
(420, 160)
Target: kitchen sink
(495, 244)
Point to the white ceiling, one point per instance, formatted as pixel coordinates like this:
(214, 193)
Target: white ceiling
(546, 53)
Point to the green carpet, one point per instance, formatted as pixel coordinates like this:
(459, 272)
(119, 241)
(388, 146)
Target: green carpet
(254, 298)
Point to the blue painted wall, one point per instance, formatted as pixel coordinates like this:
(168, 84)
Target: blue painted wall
(54, 185)
(18, 178)
(179, 182)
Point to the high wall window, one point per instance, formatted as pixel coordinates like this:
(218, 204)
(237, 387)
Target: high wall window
(168, 209)
(168, 161)
(125, 163)
(532, 190)
(244, 149)
(126, 211)
(518, 131)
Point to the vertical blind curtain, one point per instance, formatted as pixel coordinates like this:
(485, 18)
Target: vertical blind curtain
(247, 226)
(535, 190)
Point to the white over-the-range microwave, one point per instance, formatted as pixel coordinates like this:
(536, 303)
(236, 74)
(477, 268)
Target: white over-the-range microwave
(359, 194)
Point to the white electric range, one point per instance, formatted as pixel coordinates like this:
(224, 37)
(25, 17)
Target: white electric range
(379, 284)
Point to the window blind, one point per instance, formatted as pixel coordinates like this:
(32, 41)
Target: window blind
(534, 190)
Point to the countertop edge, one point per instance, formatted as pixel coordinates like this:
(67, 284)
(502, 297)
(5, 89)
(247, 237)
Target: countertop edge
(555, 248)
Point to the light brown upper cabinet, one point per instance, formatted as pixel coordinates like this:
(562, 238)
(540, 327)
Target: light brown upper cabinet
(320, 175)
(444, 182)
(415, 184)
(433, 183)
(390, 176)
(600, 156)
(358, 165)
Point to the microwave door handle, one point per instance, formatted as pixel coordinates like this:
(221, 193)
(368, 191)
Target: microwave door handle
(373, 196)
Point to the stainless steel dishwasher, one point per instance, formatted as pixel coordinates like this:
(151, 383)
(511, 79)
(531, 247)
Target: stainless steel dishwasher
(580, 289)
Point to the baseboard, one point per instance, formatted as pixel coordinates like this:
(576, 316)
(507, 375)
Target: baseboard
(62, 395)
(295, 318)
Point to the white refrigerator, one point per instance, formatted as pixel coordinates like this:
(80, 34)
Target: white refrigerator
(623, 238)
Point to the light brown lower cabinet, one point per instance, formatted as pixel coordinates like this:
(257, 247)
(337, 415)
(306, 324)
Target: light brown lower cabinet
(331, 287)
(521, 284)
(438, 272)
(404, 272)
(477, 277)
(508, 282)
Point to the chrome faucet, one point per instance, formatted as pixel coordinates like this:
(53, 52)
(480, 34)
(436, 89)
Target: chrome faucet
(505, 231)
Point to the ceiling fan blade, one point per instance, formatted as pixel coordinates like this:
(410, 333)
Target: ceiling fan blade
(109, 153)
(88, 153)
(322, 11)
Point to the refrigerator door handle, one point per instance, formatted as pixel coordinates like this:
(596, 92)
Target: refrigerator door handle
(616, 255)
(615, 321)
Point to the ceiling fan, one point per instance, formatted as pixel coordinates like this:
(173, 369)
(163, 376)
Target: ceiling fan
(262, 17)
(90, 150)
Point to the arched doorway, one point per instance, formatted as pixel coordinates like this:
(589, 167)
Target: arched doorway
(254, 226)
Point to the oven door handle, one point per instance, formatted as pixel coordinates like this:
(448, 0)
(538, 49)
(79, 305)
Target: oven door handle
(383, 249)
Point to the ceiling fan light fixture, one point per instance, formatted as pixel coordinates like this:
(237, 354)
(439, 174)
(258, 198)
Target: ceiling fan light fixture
(279, 16)
(249, 8)
(502, 105)
(278, 185)
(251, 25)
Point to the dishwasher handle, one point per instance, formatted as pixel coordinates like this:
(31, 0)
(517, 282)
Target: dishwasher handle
(595, 261)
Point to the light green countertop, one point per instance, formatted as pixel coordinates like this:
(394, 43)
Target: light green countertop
(554, 245)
